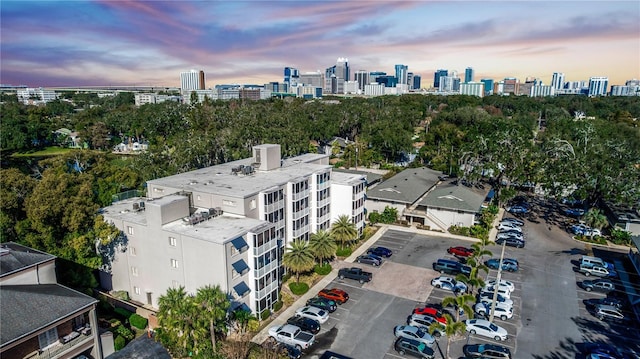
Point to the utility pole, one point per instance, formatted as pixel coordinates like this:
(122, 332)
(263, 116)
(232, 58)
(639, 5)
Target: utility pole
(495, 287)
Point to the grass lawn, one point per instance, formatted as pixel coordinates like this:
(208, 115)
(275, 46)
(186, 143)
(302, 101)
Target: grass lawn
(49, 151)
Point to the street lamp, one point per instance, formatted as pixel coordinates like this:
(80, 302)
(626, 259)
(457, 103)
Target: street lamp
(495, 286)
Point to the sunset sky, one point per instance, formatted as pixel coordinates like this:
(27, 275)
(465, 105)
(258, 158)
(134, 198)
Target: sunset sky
(148, 43)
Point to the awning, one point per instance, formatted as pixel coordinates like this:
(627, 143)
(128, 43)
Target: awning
(240, 266)
(491, 194)
(239, 243)
(241, 288)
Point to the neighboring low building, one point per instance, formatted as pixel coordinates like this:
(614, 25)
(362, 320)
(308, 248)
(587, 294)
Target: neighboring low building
(40, 318)
(623, 217)
(36, 96)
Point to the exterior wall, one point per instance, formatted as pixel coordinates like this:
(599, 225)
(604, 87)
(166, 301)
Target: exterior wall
(298, 209)
(349, 200)
(378, 206)
(449, 218)
(321, 200)
(42, 274)
(633, 228)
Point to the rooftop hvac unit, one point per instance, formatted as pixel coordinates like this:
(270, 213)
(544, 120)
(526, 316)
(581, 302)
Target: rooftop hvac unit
(141, 204)
(136, 206)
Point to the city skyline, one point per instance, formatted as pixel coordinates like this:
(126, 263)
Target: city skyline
(72, 43)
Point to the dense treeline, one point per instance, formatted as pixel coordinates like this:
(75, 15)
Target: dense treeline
(513, 140)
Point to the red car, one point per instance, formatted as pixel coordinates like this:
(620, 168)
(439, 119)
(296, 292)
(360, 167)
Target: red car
(460, 251)
(432, 312)
(335, 294)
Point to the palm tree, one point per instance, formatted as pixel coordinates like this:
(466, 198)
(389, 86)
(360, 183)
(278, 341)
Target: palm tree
(175, 322)
(298, 258)
(213, 304)
(460, 302)
(322, 245)
(343, 230)
(479, 250)
(242, 318)
(595, 219)
(452, 328)
(472, 281)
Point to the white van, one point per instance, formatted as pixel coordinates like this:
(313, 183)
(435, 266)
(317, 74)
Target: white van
(587, 261)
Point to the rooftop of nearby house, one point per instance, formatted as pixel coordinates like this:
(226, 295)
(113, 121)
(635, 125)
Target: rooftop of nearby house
(455, 197)
(405, 187)
(15, 257)
(371, 177)
(27, 309)
(142, 347)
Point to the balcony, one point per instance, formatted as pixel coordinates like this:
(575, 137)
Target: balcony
(259, 273)
(78, 344)
(300, 214)
(268, 289)
(300, 195)
(257, 251)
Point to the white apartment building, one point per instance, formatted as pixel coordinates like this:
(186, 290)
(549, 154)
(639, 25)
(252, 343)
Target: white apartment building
(36, 96)
(351, 87)
(348, 195)
(539, 90)
(598, 86)
(191, 80)
(374, 89)
(472, 89)
(227, 225)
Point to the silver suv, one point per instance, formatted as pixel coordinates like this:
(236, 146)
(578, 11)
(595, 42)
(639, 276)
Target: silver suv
(608, 312)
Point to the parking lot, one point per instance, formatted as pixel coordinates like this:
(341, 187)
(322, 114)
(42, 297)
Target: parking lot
(550, 319)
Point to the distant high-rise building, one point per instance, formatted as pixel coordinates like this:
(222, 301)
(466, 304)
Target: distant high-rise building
(401, 73)
(540, 90)
(510, 86)
(341, 72)
(192, 80)
(557, 80)
(598, 86)
(417, 79)
(488, 86)
(362, 77)
(314, 79)
(410, 80)
(291, 75)
(468, 74)
(472, 89)
(387, 80)
(373, 76)
(436, 77)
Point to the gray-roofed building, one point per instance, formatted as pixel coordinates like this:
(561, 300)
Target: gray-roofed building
(448, 204)
(372, 178)
(402, 190)
(38, 317)
(142, 347)
(623, 217)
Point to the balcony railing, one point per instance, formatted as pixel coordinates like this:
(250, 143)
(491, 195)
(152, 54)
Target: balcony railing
(58, 350)
(265, 247)
(299, 195)
(268, 289)
(266, 269)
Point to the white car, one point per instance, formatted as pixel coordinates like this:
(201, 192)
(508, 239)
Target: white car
(503, 284)
(509, 227)
(314, 313)
(510, 234)
(486, 329)
(512, 220)
(487, 297)
(448, 283)
(424, 322)
(415, 333)
(502, 312)
(510, 223)
(503, 291)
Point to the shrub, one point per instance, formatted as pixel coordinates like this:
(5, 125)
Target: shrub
(125, 332)
(123, 313)
(343, 252)
(322, 269)
(119, 343)
(253, 325)
(277, 305)
(114, 323)
(138, 321)
(619, 236)
(265, 314)
(462, 231)
(298, 288)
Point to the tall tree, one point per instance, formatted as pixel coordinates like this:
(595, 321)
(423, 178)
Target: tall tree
(596, 219)
(322, 245)
(175, 321)
(213, 304)
(343, 230)
(460, 303)
(451, 328)
(298, 258)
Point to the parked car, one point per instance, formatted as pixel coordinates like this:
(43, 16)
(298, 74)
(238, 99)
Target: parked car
(289, 351)
(486, 351)
(416, 333)
(503, 284)
(323, 303)
(333, 355)
(605, 349)
(609, 313)
(503, 291)
(487, 297)
(598, 285)
(597, 271)
(595, 261)
(494, 263)
(355, 273)
(583, 229)
(369, 258)
(573, 212)
(451, 267)
(292, 335)
(448, 283)
(502, 312)
(314, 313)
(304, 323)
(424, 322)
(413, 347)
(511, 223)
(509, 226)
(460, 251)
(513, 220)
(437, 314)
(335, 294)
(615, 302)
(509, 235)
(517, 209)
(486, 329)
(511, 242)
(380, 251)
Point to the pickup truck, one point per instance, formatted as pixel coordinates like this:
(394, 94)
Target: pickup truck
(598, 271)
(355, 274)
(292, 335)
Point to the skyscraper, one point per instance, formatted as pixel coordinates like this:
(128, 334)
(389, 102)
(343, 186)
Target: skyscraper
(192, 80)
(468, 74)
(341, 73)
(557, 80)
(410, 80)
(362, 77)
(401, 73)
(373, 76)
(598, 86)
(416, 81)
(488, 86)
(437, 75)
(291, 75)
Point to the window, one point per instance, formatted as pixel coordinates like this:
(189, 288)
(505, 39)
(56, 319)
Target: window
(252, 204)
(229, 203)
(175, 284)
(159, 190)
(130, 230)
(198, 197)
(132, 251)
(48, 338)
(172, 241)
(174, 263)
(134, 271)
(136, 290)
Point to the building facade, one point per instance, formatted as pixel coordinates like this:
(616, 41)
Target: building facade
(36, 96)
(468, 74)
(598, 86)
(402, 73)
(557, 80)
(488, 86)
(192, 80)
(362, 77)
(472, 89)
(417, 79)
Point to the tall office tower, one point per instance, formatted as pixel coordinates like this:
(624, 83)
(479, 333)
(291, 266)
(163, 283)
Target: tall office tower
(191, 80)
(488, 86)
(557, 80)
(410, 80)
(387, 80)
(510, 85)
(436, 77)
(401, 73)
(291, 75)
(417, 79)
(598, 86)
(341, 72)
(342, 69)
(362, 77)
(373, 76)
(468, 74)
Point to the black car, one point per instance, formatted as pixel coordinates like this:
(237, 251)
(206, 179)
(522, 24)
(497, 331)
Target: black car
(331, 355)
(304, 323)
(380, 251)
(486, 351)
(290, 351)
(323, 303)
(413, 348)
(511, 242)
(615, 302)
(369, 258)
(598, 285)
